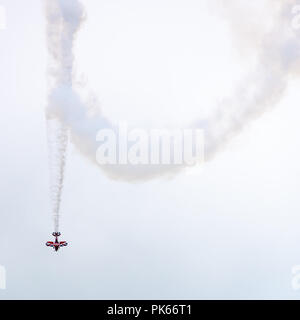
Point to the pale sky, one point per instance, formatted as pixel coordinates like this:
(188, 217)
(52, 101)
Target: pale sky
(230, 230)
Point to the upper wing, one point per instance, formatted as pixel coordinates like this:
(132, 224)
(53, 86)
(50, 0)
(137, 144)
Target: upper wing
(50, 244)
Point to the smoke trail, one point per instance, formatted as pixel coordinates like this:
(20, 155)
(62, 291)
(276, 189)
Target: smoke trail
(63, 20)
(57, 143)
(279, 58)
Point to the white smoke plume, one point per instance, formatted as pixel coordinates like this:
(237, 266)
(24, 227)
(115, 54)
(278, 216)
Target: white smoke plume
(63, 20)
(57, 144)
(279, 59)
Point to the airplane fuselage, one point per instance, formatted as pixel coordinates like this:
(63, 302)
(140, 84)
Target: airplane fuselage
(56, 244)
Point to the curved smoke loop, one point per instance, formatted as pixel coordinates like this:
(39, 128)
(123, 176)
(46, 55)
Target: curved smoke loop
(279, 59)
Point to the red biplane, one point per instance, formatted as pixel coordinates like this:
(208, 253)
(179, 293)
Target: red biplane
(56, 244)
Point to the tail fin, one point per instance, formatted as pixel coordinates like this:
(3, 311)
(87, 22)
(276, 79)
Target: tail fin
(56, 234)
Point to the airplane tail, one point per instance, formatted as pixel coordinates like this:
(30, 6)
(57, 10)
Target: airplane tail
(56, 234)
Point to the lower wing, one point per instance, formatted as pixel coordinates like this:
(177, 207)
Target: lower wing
(63, 244)
(50, 244)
